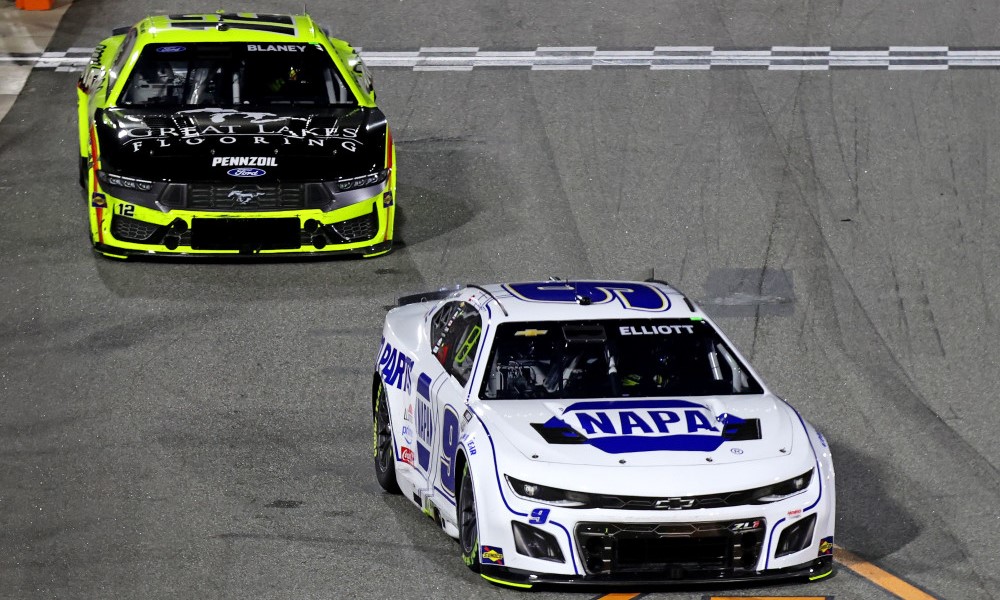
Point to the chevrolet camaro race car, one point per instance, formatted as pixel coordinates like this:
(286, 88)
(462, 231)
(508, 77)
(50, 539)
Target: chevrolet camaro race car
(233, 133)
(589, 432)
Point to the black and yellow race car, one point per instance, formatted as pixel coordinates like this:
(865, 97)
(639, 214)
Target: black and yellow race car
(233, 134)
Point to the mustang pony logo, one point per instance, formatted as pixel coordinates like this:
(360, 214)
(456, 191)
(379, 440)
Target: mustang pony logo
(244, 198)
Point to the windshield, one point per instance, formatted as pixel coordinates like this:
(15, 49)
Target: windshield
(633, 358)
(234, 75)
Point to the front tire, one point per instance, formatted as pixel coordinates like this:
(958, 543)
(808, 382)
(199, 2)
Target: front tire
(84, 167)
(384, 451)
(468, 521)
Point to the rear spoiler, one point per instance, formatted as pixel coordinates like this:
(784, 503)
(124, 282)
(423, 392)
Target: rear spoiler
(439, 294)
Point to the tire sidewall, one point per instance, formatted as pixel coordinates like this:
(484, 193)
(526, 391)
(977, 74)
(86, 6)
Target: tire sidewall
(471, 556)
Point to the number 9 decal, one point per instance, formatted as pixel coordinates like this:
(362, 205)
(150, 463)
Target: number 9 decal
(449, 445)
(539, 516)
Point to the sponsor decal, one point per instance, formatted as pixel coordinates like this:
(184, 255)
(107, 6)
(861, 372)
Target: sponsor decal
(408, 413)
(472, 447)
(634, 296)
(245, 161)
(736, 450)
(822, 440)
(746, 525)
(99, 200)
(230, 126)
(826, 546)
(171, 49)
(425, 421)
(491, 555)
(406, 455)
(618, 426)
(408, 434)
(656, 329)
(246, 172)
(396, 367)
(276, 48)
(795, 514)
(243, 198)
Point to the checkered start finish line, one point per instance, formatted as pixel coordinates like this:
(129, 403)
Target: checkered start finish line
(584, 58)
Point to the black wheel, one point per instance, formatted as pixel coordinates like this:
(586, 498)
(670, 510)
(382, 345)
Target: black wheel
(83, 172)
(385, 459)
(468, 522)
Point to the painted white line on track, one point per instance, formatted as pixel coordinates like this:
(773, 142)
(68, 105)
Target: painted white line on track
(656, 58)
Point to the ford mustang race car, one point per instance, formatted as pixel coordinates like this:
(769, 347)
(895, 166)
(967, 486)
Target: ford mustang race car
(589, 432)
(233, 133)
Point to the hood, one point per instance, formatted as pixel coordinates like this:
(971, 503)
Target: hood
(219, 144)
(648, 431)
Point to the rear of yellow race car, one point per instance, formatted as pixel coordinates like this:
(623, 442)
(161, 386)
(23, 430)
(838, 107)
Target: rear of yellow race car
(234, 134)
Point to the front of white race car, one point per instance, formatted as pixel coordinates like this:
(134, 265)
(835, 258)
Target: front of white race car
(578, 481)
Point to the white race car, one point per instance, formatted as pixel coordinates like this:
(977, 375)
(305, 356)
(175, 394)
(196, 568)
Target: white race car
(596, 432)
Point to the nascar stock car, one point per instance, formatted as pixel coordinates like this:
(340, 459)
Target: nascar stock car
(233, 133)
(588, 432)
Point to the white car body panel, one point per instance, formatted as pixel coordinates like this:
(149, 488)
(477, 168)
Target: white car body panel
(669, 448)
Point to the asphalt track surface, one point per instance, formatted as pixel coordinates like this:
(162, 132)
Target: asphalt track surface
(202, 430)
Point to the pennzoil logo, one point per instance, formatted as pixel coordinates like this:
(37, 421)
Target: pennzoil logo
(245, 161)
(826, 546)
(492, 555)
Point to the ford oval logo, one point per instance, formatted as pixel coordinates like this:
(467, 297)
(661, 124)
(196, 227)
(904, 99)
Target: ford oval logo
(171, 49)
(245, 172)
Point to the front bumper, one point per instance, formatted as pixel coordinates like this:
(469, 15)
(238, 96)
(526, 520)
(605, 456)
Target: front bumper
(785, 539)
(120, 229)
(815, 569)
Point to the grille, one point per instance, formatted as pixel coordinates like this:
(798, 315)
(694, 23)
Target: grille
(133, 230)
(359, 228)
(679, 503)
(245, 235)
(672, 550)
(250, 197)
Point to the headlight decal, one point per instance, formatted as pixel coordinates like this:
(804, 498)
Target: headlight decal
(503, 497)
(352, 183)
(819, 477)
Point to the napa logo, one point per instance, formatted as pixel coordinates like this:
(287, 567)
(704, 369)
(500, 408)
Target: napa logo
(618, 427)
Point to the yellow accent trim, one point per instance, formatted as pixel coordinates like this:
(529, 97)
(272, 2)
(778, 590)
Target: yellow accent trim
(885, 580)
(523, 586)
(821, 576)
(467, 346)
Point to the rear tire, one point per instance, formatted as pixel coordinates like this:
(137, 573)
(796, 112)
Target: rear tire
(385, 450)
(468, 521)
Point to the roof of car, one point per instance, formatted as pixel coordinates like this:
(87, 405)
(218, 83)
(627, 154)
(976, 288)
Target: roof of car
(221, 27)
(582, 299)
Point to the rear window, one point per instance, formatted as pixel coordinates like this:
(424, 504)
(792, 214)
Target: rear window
(231, 75)
(613, 359)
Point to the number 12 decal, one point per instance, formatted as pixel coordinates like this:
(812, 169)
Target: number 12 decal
(125, 210)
